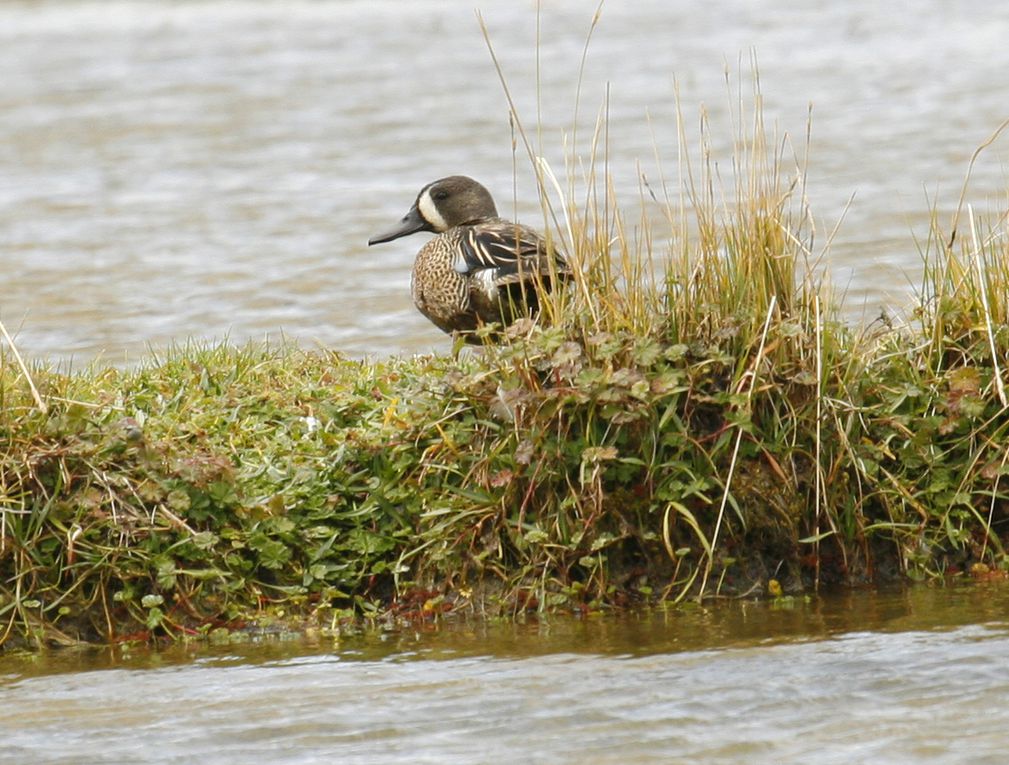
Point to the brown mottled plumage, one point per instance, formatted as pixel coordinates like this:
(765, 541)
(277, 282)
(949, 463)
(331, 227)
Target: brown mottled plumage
(480, 268)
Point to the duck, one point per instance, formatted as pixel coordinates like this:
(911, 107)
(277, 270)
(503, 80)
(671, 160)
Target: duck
(480, 268)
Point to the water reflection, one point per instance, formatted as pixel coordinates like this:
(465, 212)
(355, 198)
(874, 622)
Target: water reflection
(891, 677)
(214, 169)
(688, 627)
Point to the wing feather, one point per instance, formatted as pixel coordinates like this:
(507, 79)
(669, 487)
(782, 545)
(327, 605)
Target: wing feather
(505, 247)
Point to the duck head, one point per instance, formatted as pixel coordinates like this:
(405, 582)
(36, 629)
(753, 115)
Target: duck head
(441, 205)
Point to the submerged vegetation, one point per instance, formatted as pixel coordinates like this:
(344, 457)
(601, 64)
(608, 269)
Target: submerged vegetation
(691, 417)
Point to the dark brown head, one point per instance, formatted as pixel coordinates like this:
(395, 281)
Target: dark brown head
(442, 205)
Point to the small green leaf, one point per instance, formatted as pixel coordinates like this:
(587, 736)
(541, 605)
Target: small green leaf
(602, 541)
(154, 618)
(536, 536)
(204, 540)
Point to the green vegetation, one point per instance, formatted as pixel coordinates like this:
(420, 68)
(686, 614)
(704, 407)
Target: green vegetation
(692, 417)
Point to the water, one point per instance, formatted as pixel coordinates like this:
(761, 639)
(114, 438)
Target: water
(913, 676)
(213, 169)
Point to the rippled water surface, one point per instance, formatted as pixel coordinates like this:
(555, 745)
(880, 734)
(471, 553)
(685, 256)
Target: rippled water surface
(900, 677)
(214, 169)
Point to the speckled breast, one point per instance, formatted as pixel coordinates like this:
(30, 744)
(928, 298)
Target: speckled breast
(438, 290)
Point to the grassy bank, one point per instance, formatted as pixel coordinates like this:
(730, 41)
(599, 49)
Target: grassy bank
(690, 418)
(578, 466)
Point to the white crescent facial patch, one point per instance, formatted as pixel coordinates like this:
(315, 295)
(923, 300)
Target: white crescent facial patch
(429, 212)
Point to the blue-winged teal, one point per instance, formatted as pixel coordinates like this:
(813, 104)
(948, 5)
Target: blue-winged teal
(480, 268)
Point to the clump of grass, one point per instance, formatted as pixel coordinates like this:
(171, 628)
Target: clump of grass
(686, 371)
(691, 418)
(195, 490)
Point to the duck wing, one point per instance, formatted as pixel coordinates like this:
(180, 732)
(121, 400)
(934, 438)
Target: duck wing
(508, 248)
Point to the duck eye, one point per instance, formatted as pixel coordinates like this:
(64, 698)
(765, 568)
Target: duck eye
(440, 195)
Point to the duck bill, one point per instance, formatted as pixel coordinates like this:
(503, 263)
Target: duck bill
(412, 223)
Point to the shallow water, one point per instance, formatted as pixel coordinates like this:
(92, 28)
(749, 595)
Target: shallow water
(915, 676)
(214, 169)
